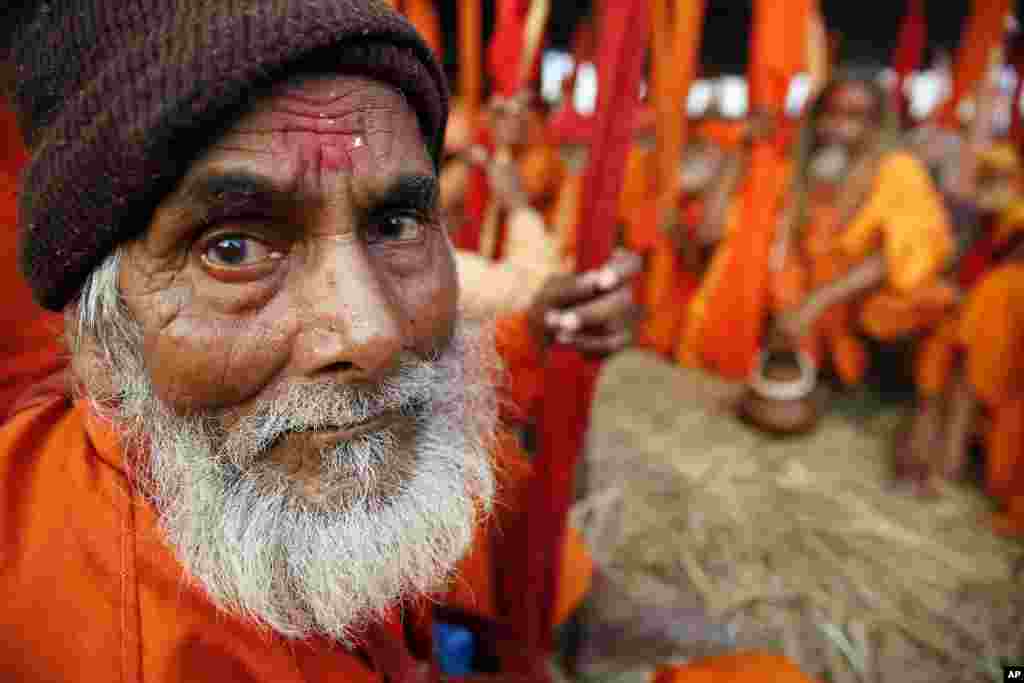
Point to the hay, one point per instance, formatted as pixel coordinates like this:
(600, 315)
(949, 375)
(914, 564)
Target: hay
(798, 543)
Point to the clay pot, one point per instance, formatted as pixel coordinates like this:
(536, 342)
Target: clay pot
(780, 397)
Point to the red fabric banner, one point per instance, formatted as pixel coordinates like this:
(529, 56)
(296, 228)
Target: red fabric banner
(908, 54)
(569, 378)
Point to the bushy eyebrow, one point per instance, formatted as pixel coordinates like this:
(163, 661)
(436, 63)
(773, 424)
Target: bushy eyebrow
(412, 191)
(218, 192)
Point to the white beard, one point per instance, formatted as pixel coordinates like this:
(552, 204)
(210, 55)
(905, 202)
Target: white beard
(263, 550)
(830, 164)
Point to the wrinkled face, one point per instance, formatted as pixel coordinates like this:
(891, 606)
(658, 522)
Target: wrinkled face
(304, 246)
(315, 425)
(847, 119)
(510, 122)
(701, 163)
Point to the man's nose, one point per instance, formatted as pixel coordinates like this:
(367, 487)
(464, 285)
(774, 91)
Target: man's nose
(353, 331)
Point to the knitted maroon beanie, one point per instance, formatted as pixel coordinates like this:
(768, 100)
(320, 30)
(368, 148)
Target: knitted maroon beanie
(117, 97)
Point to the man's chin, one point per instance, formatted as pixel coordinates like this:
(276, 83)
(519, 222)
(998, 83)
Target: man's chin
(332, 469)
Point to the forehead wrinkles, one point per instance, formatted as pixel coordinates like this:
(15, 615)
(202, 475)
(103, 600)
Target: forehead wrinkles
(327, 126)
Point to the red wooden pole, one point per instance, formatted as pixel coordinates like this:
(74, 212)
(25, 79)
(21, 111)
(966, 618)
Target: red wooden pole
(909, 53)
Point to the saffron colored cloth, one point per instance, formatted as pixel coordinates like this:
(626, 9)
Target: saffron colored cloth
(987, 335)
(667, 285)
(742, 667)
(992, 335)
(90, 589)
(423, 16)
(906, 217)
(690, 348)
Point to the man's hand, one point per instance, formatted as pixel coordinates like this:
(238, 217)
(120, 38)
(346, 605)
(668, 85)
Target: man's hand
(789, 328)
(507, 185)
(593, 311)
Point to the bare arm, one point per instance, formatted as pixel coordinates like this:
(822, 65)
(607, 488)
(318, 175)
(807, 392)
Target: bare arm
(867, 276)
(979, 134)
(712, 228)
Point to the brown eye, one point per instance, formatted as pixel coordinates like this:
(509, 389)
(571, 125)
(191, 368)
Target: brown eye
(237, 251)
(396, 228)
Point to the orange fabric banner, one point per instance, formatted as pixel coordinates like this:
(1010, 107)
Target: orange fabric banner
(676, 37)
(471, 77)
(423, 15)
(738, 304)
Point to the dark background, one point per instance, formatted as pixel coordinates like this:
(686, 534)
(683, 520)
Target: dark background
(868, 28)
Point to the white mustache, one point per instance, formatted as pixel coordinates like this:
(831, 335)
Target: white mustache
(329, 405)
(829, 163)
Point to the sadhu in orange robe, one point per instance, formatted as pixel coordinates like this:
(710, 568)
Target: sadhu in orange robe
(986, 337)
(904, 219)
(687, 349)
(666, 285)
(88, 585)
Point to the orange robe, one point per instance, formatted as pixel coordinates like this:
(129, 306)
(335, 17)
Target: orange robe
(991, 333)
(666, 286)
(905, 219)
(696, 322)
(669, 284)
(89, 586)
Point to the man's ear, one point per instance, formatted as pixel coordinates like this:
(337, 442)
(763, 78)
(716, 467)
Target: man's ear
(88, 367)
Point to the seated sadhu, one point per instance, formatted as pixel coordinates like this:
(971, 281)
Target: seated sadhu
(498, 195)
(280, 450)
(864, 236)
(712, 190)
(967, 374)
(708, 178)
(665, 285)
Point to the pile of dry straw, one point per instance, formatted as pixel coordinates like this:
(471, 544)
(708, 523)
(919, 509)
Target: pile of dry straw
(800, 544)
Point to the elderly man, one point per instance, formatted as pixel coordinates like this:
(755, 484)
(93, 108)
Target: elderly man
(282, 448)
(865, 236)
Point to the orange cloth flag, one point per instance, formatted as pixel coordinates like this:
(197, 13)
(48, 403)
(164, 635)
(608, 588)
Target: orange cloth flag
(737, 306)
(688, 350)
(984, 32)
(676, 33)
(471, 65)
(423, 15)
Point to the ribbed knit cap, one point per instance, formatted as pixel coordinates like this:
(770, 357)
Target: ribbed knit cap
(117, 97)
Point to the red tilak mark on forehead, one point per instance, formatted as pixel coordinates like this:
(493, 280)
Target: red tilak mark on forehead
(323, 127)
(324, 144)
